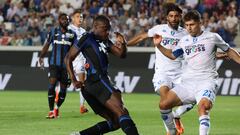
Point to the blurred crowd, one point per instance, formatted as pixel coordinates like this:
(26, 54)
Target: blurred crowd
(27, 22)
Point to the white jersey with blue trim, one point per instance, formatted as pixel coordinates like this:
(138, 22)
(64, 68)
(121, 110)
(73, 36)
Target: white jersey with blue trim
(170, 39)
(79, 58)
(200, 55)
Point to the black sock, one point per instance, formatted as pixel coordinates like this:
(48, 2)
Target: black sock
(128, 125)
(99, 129)
(51, 96)
(62, 94)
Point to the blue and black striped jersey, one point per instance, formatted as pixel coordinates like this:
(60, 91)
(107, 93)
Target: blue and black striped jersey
(61, 43)
(96, 53)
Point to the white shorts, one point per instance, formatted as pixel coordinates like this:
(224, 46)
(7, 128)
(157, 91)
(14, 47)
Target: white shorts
(162, 79)
(79, 64)
(193, 91)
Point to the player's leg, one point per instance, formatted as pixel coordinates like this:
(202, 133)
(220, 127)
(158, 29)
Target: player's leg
(110, 124)
(51, 90)
(115, 104)
(83, 109)
(166, 104)
(57, 90)
(162, 84)
(63, 91)
(205, 100)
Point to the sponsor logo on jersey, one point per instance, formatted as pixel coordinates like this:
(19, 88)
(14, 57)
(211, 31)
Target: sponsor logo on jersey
(169, 41)
(194, 48)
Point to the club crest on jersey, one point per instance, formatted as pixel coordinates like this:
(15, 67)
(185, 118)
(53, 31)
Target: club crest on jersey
(194, 48)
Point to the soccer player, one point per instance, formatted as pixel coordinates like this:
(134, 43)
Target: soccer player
(61, 39)
(199, 77)
(167, 71)
(104, 99)
(79, 62)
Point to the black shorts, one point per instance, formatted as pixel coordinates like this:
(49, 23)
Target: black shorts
(96, 93)
(58, 72)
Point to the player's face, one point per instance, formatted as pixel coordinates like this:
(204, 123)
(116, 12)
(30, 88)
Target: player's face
(173, 19)
(63, 21)
(101, 30)
(193, 27)
(77, 19)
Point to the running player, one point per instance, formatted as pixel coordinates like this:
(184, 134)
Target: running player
(61, 39)
(199, 77)
(79, 62)
(104, 99)
(167, 71)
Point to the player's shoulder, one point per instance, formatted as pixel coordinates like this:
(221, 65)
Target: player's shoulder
(84, 37)
(210, 35)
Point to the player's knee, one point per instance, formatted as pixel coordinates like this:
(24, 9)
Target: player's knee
(51, 87)
(204, 108)
(163, 105)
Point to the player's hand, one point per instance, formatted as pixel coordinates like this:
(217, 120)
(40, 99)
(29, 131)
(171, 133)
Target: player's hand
(41, 63)
(78, 84)
(157, 40)
(120, 39)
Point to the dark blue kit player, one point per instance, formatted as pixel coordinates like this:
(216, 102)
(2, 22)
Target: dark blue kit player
(61, 39)
(101, 95)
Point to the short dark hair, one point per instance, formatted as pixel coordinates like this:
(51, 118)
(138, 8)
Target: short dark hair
(192, 15)
(104, 19)
(61, 15)
(172, 7)
(77, 11)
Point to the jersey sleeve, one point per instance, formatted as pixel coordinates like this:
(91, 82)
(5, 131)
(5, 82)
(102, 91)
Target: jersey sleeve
(220, 43)
(153, 31)
(50, 36)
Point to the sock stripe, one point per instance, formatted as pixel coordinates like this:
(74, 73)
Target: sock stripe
(205, 119)
(124, 117)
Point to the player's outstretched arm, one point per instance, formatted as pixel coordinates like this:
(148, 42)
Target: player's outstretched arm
(138, 38)
(71, 55)
(119, 48)
(167, 52)
(234, 55)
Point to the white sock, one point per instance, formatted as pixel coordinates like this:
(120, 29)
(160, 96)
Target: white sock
(168, 119)
(181, 110)
(81, 98)
(204, 126)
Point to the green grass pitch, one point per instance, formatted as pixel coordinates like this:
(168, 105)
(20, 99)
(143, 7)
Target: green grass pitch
(23, 113)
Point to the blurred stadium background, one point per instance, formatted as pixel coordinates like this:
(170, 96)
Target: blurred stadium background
(23, 98)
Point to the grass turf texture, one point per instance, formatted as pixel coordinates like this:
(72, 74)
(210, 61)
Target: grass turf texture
(23, 113)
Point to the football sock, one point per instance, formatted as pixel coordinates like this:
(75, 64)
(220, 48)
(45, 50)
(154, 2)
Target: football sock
(181, 110)
(204, 126)
(99, 129)
(167, 117)
(51, 96)
(128, 125)
(62, 95)
(81, 98)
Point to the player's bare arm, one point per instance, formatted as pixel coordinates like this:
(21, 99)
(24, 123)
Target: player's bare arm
(119, 48)
(167, 52)
(138, 38)
(43, 53)
(234, 55)
(73, 52)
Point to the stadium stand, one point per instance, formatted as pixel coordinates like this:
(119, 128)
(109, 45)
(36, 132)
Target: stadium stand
(26, 22)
